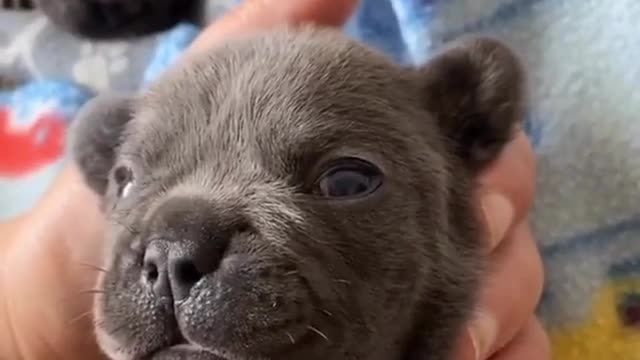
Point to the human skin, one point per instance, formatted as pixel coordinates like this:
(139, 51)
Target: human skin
(46, 256)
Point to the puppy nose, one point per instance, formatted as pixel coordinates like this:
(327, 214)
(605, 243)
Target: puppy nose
(172, 269)
(191, 237)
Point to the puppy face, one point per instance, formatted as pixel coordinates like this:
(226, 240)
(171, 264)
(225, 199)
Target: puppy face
(295, 195)
(115, 18)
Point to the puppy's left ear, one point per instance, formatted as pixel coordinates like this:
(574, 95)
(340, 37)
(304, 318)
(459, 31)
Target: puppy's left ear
(475, 90)
(96, 134)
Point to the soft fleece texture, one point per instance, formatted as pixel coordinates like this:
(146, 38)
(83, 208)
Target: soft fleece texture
(583, 62)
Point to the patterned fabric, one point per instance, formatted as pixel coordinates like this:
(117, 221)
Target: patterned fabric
(33, 122)
(582, 59)
(35, 115)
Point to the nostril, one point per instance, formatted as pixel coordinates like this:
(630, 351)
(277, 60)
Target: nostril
(186, 272)
(150, 272)
(154, 269)
(184, 275)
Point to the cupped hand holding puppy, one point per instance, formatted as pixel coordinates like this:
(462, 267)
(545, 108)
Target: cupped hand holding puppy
(46, 257)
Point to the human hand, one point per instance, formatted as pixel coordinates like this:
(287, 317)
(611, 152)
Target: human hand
(46, 275)
(505, 326)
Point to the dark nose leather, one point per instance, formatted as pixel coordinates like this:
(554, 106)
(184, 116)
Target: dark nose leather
(190, 242)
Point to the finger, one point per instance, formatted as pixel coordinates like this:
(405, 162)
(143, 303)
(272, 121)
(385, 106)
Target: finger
(508, 297)
(506, 190)
(252, 15)
(531, 343)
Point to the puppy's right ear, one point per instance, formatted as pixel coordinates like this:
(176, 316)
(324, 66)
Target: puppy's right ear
(475, 88)
(96, 134)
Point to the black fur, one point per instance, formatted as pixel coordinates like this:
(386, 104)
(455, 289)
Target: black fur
(111, 19)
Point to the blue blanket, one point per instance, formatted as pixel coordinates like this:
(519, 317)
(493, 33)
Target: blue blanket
(582, 57)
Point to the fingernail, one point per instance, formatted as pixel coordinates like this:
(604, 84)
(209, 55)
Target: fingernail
(483, 332)
(498, 214)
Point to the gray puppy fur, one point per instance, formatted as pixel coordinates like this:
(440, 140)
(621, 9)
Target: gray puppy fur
(296, 195)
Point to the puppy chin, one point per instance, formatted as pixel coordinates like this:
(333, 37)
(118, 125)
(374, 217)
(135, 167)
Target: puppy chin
(190, 352)
(106, 342)
(114, 350)
(111, 347)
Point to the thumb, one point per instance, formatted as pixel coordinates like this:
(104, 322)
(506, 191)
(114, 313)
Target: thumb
(253, 15)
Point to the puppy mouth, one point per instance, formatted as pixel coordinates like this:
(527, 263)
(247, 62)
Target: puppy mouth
(179, 345)
(298, 337)
(185, 350)
(182, 347)
(247, 309)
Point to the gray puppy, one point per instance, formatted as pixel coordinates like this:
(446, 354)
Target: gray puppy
(109, 19)
(296, 195)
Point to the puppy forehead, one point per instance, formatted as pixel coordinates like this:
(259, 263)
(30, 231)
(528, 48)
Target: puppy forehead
(275, 94)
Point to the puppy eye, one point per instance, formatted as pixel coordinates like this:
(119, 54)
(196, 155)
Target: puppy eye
(123, 176)
(349, 177)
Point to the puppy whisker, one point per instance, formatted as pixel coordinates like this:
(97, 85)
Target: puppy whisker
(315, 330)
(91, 292)
(80, 317)
(74, 297)
(93, 267)
(98, 323)
(327, 312)
(129, 229)
(293, 341)
(117, 328)
(343, 281)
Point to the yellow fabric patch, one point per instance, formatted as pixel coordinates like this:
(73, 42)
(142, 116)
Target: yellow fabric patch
(603, 335)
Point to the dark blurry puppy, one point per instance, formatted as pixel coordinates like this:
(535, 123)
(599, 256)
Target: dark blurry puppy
(109, 19)
(295, 195)
(7, 82)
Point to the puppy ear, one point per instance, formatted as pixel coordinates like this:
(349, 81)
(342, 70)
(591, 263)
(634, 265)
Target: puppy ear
(95, 137)
(475, 90)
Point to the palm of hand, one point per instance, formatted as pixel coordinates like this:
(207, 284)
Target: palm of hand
(56, 258)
